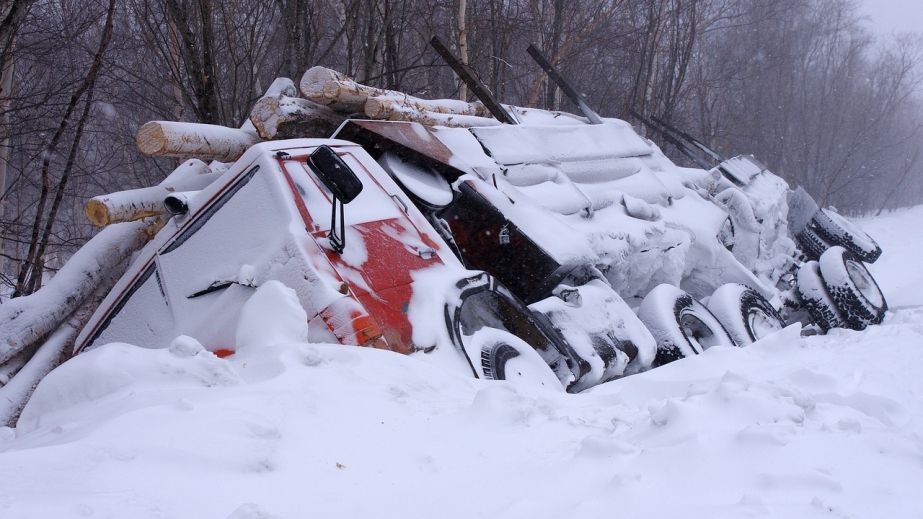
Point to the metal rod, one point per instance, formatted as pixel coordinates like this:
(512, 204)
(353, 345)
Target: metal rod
(466, 73)
(697, 143)
(565, 87)
(669, 137)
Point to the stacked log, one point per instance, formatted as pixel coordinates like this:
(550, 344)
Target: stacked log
(28, 319)
(194, 140)
(135, 204)
(390, 109)
(330, 88)
(286, 117)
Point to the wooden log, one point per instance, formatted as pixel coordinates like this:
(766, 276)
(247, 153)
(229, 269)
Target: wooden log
(189, 168)
(135, 204)
(400, 112)
(382, 107)
(188, 140)
(52, 350)
(281, 86)
(313, 81)
(290, 117)
(330, 88)
(391, 109)
(26, 320)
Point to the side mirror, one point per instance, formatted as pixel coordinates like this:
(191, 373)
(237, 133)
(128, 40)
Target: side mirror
(345, 186)
(335, 174)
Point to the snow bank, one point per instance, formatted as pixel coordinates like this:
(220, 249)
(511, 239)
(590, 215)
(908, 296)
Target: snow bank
(898, 271)
(786, 428)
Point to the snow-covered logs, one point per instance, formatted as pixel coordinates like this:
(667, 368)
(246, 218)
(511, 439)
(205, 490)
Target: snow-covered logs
(330, 88)
(194, 140)
(135, 204)
(287, 117)
(391, 109)
(27, 320)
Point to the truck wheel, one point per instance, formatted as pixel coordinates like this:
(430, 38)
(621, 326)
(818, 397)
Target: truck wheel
(820, 306)
(483, 317)
(812, 244)
(745, 313)
(681, 325)
(506, 357)
(837, 230)
(852, 288)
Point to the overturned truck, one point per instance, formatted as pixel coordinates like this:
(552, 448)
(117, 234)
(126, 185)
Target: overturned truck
(510, 242)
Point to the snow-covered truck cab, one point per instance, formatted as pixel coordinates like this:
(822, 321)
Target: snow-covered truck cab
(323, 218)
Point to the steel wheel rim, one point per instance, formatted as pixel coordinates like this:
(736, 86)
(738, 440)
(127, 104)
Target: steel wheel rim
(696, 331)
(864, 283)
(761, 324)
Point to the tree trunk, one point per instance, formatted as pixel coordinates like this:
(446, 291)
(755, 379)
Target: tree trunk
(6, 90)
(462, 45)
(28, 273)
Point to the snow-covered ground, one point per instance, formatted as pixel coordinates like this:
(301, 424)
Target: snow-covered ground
(790, 427)
(899, 271)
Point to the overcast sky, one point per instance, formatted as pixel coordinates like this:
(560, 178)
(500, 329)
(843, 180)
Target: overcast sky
(887, 16)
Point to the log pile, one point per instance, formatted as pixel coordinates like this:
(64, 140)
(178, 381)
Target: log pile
(37, 331)
(327, 98)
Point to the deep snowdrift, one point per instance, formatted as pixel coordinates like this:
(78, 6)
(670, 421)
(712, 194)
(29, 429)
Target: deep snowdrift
(789, 427)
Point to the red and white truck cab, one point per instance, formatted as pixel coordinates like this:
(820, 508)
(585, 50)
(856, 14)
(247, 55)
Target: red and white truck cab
(322, 217)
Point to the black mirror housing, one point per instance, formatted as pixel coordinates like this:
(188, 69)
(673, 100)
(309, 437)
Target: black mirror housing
(335, 174)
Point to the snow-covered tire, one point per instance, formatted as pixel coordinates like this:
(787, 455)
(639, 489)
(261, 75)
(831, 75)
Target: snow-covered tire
(506, 357)
(681, 325)
(812, 244)
(484, 314)
(745, 313)
(837, 230)
(813, 292)
(852, 288)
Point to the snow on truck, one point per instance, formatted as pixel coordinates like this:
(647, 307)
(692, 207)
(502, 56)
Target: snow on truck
(511, 242)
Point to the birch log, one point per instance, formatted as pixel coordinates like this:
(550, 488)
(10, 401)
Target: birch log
(313, 81)
(53, 350)
(286, 117)
(394, 110)
(194, 140)
(135, 204)
(330, 88)
(26, 320)
(281, 86)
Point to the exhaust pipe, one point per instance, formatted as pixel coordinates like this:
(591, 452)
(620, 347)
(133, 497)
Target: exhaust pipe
(178, 203)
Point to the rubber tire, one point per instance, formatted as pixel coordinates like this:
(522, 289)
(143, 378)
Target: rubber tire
(662, 312)
(812, 244)
(815, 298)
(857, 310)
(835, 229)
(518, 321)
(733, 303)
(496, 357)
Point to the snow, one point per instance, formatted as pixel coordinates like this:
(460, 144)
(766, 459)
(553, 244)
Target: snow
(820, 426)
(898, 271)
(538, 143)
(272, 315)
